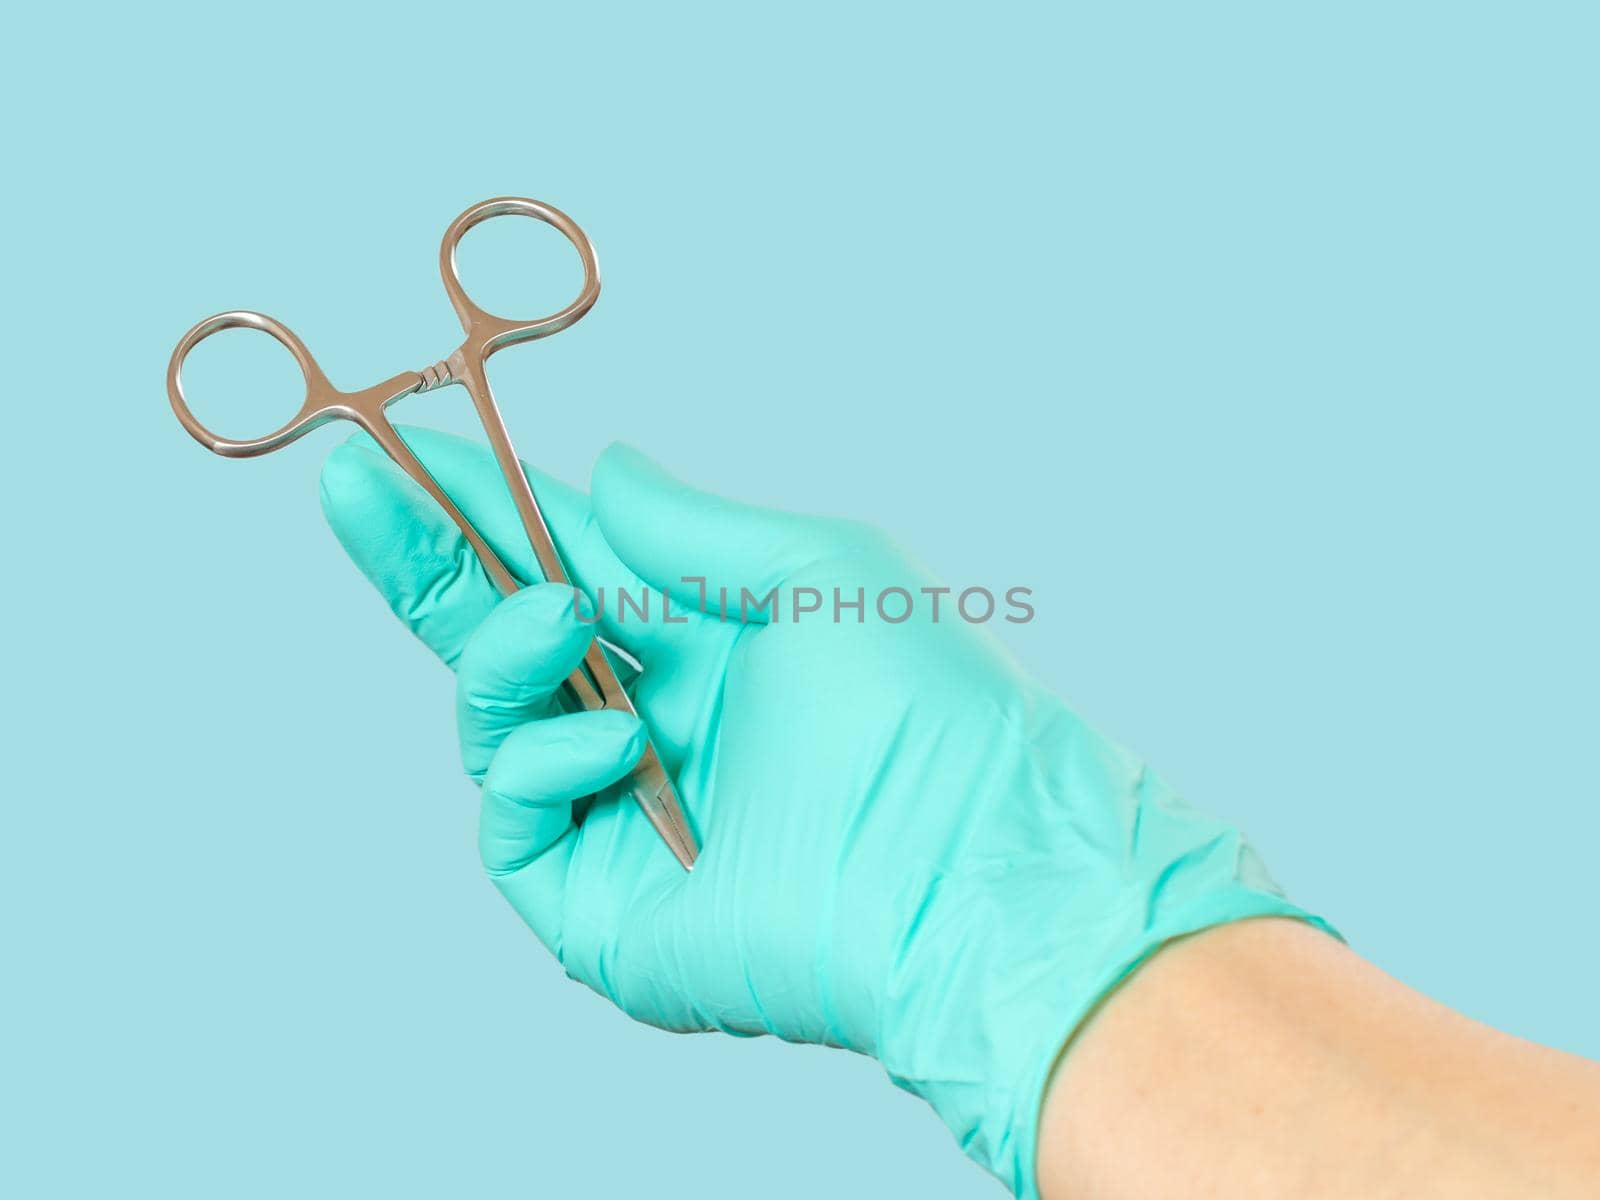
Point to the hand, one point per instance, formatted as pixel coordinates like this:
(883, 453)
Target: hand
(910, 849)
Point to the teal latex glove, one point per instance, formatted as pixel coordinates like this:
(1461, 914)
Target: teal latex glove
(910, 849)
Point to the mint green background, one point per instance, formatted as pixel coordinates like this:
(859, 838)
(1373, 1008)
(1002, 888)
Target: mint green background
(1258, 339)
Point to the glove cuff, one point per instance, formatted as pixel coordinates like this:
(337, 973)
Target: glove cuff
(1032, 941)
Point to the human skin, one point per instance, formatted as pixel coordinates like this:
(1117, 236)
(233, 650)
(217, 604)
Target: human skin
(1266, 1059)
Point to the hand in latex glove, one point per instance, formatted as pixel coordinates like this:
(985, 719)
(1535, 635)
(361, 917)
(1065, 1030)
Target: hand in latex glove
(910, 849)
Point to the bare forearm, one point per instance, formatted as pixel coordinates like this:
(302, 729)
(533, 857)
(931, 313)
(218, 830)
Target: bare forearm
(1266, 1059)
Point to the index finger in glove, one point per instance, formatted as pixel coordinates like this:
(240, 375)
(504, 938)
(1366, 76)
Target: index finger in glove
(420, 562)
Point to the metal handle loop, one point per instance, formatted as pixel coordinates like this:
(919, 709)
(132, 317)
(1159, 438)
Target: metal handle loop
(319, 407)
(491, 331)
